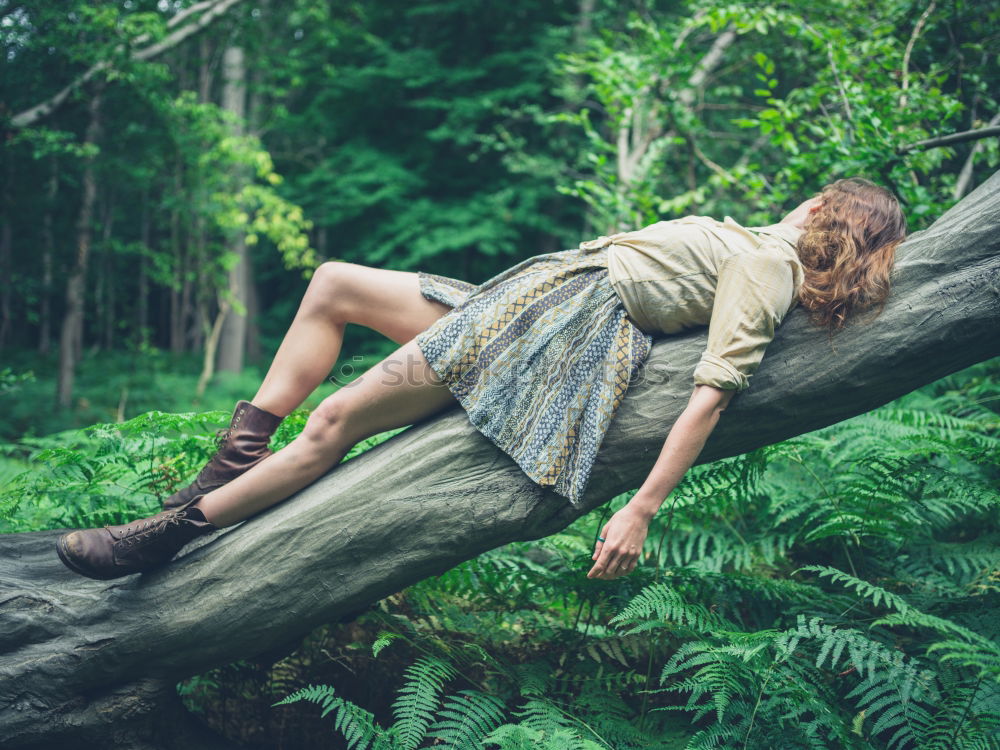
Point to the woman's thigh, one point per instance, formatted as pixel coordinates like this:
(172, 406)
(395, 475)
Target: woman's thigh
(398, 391)
(385, 300)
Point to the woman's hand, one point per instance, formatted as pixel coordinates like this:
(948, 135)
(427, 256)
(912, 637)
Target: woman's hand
(624, 533)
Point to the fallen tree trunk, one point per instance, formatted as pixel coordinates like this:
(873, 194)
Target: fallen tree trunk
(93, 662)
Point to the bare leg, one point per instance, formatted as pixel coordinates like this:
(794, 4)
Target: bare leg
(396, 392)
(387, 301)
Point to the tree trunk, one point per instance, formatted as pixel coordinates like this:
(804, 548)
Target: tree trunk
(142, 303)
(254, 124)
(6, 243)
(71, 336)
(180, 269)
(232, 343)
(253, 348)
(104, 295)
(48, 250)
(211, 346)
(205, 292)
(440, 493)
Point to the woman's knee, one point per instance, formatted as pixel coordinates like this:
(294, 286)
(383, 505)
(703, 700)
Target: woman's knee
(327, 426)
(329, 291)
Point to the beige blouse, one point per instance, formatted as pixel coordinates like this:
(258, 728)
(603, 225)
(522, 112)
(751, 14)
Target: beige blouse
(694, 271)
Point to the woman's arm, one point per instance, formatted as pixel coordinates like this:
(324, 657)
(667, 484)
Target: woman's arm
(625, 531)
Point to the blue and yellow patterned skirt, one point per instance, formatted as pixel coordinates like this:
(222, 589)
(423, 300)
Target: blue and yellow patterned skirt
(540, 356)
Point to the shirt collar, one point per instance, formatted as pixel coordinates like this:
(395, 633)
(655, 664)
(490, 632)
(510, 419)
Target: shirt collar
(787, 232)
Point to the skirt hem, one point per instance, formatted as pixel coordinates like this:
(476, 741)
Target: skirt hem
(540, 358)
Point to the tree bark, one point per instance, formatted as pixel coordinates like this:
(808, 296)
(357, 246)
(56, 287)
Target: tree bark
(211, 347)
(952, 139)
(232, 343)
(142, 301)
(48, 251)
(71, 335)
(965, 175)
(440, 493)
(180, 263)
(6, 244)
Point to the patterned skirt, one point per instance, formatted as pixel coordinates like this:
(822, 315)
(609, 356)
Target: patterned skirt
(540, 356)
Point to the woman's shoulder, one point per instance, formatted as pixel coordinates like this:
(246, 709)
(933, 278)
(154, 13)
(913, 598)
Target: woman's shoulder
(771, 260)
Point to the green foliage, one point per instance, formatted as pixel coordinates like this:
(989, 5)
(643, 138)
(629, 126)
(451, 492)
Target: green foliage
(832, 89)
(113, 472)
(104, 474)
(419, 698)
(465, 719)
(746, 622)
(836, 590)
(357, 725)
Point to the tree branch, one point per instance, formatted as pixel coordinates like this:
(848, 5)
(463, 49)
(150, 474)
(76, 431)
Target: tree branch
(965, 175)
(905, 84)
(213, 10)
(633, 142)
(706, 65)
(951, 139)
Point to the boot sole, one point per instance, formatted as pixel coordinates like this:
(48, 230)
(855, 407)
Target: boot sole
(72, 565)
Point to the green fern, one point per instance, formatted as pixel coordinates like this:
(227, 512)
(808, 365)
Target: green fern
(357, 725)
(837, 590)
(465, 719)
(659, 605)
(418, 699)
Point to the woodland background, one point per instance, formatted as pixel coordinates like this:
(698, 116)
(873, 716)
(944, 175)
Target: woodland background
(172, 171)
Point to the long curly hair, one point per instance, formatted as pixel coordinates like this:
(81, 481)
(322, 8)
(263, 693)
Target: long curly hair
(848, 250)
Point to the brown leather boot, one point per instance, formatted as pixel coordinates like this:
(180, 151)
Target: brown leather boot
(141, 545)
(241, 446)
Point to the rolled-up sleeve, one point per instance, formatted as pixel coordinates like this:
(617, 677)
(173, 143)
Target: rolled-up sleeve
(754, 293)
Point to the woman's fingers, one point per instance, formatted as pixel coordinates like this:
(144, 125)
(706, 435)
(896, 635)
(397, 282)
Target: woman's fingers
(599, 545)
(606, 561)
(624, 566)
(617, 549)
(613, 564)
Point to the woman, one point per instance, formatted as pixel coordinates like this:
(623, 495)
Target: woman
(539, 356)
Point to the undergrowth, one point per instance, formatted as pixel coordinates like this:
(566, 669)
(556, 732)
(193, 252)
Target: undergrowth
(837, 590)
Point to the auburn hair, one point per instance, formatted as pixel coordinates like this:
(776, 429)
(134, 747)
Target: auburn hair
(848, 249)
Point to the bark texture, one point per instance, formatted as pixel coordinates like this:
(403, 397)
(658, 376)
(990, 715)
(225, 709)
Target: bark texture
(78, 657)
(233, 340)
(71, 333)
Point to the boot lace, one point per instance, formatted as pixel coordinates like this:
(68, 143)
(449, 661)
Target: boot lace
(148, 528)
(221, 436)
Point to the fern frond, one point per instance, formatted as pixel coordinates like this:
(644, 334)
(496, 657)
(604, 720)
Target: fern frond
(876, 594)
(466, 718)
(660, 605)
(357, 725)
(382, 640)
(418, 699)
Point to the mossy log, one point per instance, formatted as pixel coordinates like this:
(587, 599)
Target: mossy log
(87, 663)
